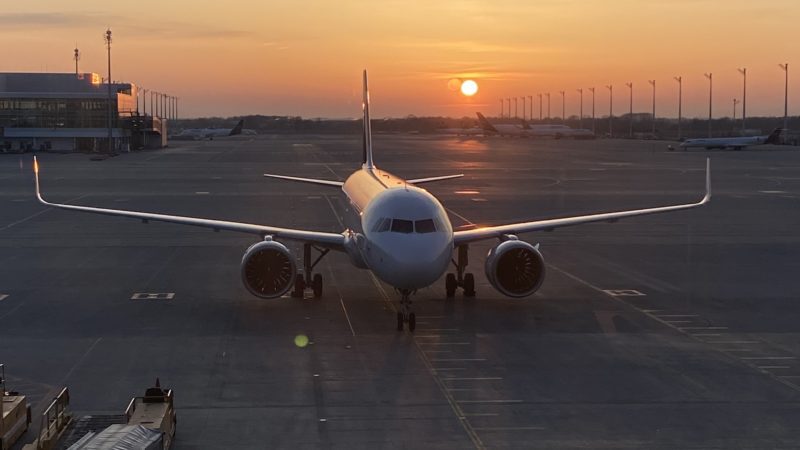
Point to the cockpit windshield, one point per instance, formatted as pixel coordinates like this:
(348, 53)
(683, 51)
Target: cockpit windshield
(404, 226)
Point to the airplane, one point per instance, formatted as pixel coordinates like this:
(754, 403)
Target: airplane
(558, 131)
(736, 143)
(400, 232)
(210, 133)
(502, 129)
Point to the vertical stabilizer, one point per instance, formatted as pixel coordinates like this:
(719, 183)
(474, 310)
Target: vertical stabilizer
(488, 127)
(367, 138)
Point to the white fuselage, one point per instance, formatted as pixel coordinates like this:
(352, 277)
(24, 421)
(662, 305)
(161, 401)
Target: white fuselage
(738, 142)
(205, 133)
(405, 235)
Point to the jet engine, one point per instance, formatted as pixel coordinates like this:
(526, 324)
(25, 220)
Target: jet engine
(268, 269)
(515, 268)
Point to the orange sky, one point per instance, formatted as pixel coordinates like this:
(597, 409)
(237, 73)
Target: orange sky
(305, 57)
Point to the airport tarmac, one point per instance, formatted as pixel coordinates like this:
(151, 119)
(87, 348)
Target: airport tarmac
(669, 331)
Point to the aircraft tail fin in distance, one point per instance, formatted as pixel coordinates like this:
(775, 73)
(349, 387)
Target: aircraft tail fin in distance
(485, 124)
(774, 137)
(237, 129)
(367, 126)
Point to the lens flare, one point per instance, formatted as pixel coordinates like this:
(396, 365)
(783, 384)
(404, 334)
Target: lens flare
(301, 340)
(469, 88)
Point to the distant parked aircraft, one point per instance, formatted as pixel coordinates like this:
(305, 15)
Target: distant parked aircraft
(211, 133)
(736, 143)
(527, 130)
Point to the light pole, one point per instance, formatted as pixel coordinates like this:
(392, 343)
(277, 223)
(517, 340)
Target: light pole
(540, 107)
(563, 108)
(523, 108)
(710, 97)
(785, 68)
(743, 71)
(680, 101)
(593, 119)
(530, 100)
(630, 115)
(508, 100)
(107, 38)
(548, 107)
(610, 88)
(516, 103)
(580, 119)
(653, 83)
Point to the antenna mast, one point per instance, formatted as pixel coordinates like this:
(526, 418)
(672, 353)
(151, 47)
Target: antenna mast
(76, 57)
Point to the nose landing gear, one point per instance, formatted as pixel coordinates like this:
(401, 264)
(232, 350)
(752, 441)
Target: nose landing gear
(460, 278)
(405, 315)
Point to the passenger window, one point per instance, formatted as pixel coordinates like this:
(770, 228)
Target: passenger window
(424, 226)
(402, 226)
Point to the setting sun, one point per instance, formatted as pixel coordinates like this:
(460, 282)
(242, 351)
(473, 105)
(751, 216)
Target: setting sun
(469, 88)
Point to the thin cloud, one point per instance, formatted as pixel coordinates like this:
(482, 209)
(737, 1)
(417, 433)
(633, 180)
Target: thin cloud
(155, 29)
(477, 47)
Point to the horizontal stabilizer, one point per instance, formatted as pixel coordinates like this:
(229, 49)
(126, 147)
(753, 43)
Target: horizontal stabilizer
(431, 179)
(306, 180)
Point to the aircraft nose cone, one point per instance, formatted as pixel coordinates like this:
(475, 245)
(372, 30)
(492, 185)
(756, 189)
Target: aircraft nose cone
(420, 262)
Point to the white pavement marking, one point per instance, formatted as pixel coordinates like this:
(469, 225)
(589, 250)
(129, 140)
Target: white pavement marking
(706, 334)
(624, 292)
(153, 296)
(457, 359)
(202, 192)
(472, 378)
(702, 328)
(3, 297)
(734, 342)
(80, 360)
(774, 367)
(768, 357)
(444, 343)
(341, 301)
(38, 214)
(490, 401)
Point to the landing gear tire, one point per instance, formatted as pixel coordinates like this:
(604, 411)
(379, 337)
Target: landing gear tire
(469, 285)
(412, 322)
(299, 286)
(400, 321)
(450, 285)
(317, 285)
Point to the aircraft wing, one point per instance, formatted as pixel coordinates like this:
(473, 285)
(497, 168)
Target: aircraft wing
(432, 179)
(331, 240)
(306, 180)
(467, 236)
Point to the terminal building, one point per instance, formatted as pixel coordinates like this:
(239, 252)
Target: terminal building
(68, 112)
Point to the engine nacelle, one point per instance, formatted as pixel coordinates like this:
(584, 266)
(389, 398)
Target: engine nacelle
(268, 269)
(515, 268)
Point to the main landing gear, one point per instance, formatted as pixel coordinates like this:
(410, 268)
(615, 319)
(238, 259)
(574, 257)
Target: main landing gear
(405, 315)
(311, 280)
(460, 279)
